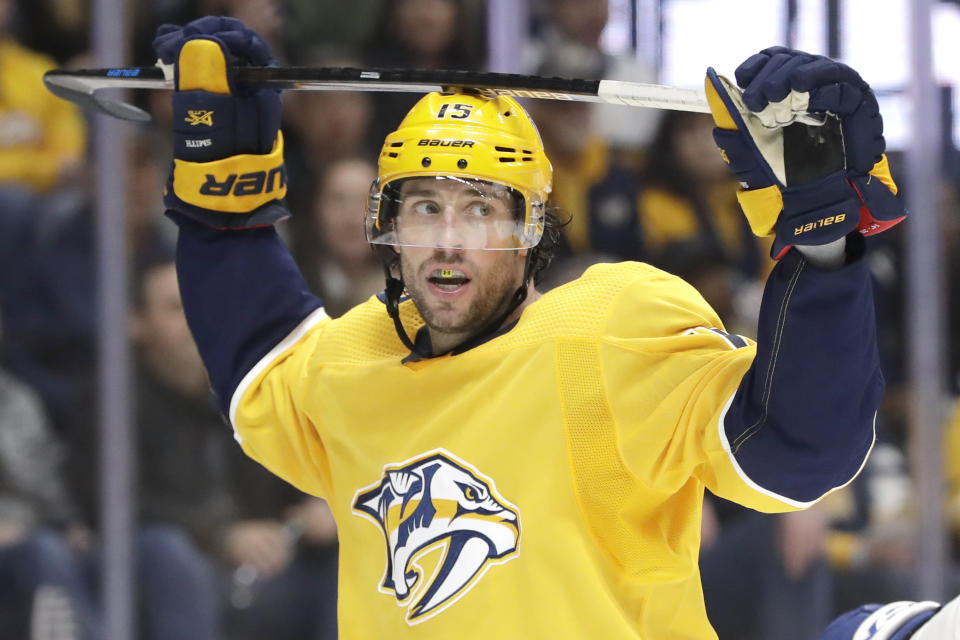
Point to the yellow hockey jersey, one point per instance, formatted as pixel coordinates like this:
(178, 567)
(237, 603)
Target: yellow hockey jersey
(40, 134)
(545, 484)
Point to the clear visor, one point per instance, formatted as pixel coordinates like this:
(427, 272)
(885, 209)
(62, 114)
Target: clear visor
(448, 212)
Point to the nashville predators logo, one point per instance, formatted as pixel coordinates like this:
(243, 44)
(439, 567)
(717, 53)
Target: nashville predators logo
(197, 116)
(444, 525)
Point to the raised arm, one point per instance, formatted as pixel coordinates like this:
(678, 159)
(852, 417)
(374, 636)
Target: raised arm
(802, 421)
(242, 293)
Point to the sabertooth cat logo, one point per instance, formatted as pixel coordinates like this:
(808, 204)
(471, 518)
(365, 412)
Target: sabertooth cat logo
(438, 509)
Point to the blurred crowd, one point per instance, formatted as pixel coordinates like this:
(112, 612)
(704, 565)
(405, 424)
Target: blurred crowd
(222, 548)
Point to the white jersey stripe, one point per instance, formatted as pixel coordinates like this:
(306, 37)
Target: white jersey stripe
(292, 338)
(767, 492)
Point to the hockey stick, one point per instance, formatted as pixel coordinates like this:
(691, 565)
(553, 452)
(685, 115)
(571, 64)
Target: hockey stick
(83, 85)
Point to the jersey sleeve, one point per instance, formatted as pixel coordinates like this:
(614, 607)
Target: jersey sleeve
(774, 425)
(254, 322)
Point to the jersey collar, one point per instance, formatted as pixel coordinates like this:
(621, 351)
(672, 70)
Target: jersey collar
(422, 343)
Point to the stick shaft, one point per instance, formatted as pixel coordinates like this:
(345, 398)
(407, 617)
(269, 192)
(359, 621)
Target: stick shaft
(81, 85)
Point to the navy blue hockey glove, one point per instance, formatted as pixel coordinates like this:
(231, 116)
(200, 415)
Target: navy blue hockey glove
(228, 169)
(805, 140)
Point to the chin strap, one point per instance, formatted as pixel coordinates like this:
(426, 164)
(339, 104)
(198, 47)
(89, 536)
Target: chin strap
(394, 290)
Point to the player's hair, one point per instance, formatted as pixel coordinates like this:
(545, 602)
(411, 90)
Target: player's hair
(555, 219)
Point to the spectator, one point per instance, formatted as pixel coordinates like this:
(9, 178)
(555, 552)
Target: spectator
(419, 34)
(572, 33)
(872, 537)
(325, 21)
(952, 471)
(58, 29)
(206, 510)
(764, 576)
(173, 417)
(590, 182)
(345, 272)
(41, 581)
(301, 601)
(425, 34)
(49, 311)
(330, 124)
(50, 305)
(688, 196)
(568, 28)
(268, 17)
(42, 138)
(322, 128)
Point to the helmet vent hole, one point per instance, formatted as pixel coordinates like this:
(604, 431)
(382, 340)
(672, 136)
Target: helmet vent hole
(527, 159)
(502, 159)
(461, 163)
(393, 154)
(508, 113)
(425, 162)
(396, 144)
(505, 149)
(527, 151)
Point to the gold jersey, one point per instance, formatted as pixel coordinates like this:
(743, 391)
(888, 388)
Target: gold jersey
(40, 134)
(544, 484)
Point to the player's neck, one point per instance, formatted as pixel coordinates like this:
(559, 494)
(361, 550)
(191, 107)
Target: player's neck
(445, 342)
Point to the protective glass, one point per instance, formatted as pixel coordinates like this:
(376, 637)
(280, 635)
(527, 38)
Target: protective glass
(449, 212)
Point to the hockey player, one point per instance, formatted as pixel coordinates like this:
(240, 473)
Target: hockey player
(506, 464)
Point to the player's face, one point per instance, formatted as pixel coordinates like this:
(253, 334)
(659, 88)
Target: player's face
(457, 291)
(457, 213)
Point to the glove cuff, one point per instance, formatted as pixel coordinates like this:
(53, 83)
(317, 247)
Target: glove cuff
(811, 214)
(236, 192)
(816, 214)
(881, 208)
(238, 184)
(265, 216)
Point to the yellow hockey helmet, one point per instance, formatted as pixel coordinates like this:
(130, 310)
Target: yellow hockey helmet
(490, 146)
